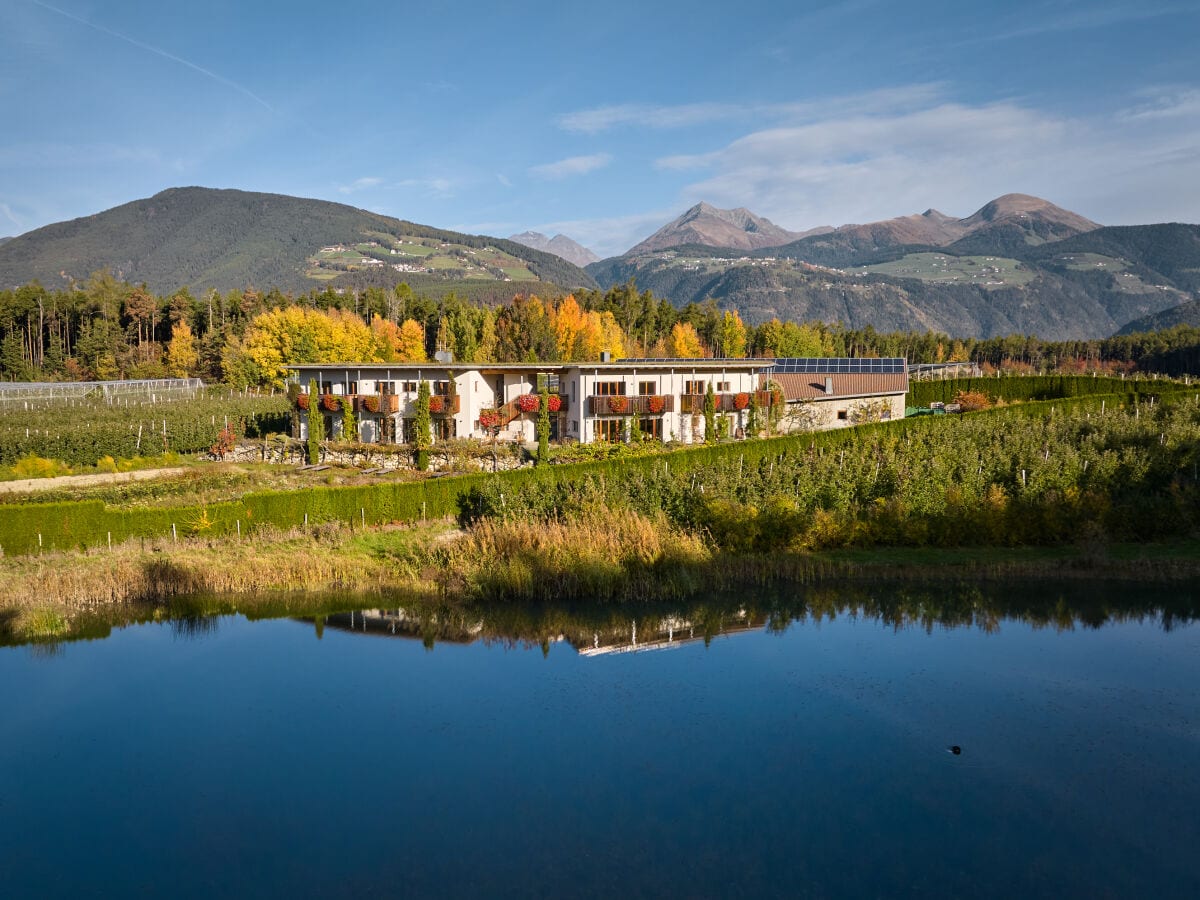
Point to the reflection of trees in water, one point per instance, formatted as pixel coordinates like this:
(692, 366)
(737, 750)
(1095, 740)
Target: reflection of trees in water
(610, 627)
(598, 629)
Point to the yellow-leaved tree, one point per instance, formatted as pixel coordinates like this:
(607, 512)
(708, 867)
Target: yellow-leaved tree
(182, 355)
(412, 342)
(293, 334)
(684, 342)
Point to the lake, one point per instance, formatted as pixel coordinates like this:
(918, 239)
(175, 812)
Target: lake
(797, 745)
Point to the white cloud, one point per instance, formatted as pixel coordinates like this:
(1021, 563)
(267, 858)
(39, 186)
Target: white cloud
(359, 184)
(572, 165)
(503, 179)
(856, 167)
(604, 118)
(434, 187)
(8, 214)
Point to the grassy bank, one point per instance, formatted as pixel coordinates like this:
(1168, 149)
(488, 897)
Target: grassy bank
(611, 559)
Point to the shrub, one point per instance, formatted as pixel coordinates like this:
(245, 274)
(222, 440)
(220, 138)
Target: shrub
(371, 404)
(302, 401)
(330, 403)
(972, 401)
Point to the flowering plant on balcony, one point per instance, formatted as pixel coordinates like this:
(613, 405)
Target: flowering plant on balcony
(554, 403)
(489, 418)
(656, 404)
(528, 403)
(330, 403)
(618, 404)
(302, 401)
(371, 403)
(741, 401)
(437, 403)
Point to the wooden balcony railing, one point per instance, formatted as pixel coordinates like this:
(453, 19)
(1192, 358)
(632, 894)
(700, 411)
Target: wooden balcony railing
(384, 404)
(694, 403)
(512, 408)
(620, 405)
(444, 404)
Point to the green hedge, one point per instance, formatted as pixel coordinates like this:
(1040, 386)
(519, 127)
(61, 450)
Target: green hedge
(85, 524)
(1036, 387)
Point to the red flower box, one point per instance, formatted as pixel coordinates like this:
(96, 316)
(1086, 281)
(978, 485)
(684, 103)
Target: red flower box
(489, 418)
(618, 405)
(656, 404)
(741, 401)
(554, 403)
(437, 403)
(371, 404)
(529, 403)
(302, 401)
(330, 403)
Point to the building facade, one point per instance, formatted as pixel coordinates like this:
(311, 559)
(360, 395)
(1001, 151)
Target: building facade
(603, 401)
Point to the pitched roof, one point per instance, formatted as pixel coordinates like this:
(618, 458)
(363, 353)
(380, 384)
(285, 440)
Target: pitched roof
(862, 384)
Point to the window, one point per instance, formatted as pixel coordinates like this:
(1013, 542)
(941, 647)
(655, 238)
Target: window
(408, 387)
(445, 429)
(693, 387)
(609, 430)
(387, 387)
(351, 387)
(441, 387)
(842, 415)
(327, 388)
(610, 388)
(647, 388)
(722, 387)
(651, 427)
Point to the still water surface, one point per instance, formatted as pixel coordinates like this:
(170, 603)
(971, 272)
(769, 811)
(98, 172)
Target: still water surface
(230, 757)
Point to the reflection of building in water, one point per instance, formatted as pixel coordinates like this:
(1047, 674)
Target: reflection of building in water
(661, 634)
(404, 623)
(622, 636)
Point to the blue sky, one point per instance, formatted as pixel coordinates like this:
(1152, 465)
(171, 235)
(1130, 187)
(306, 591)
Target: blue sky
(604, 121)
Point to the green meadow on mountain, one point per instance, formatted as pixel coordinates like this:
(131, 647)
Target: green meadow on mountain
(228, 240)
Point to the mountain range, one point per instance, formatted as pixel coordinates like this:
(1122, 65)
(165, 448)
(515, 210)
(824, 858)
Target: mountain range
(1017, 265)
(705, 225)
(560, 245)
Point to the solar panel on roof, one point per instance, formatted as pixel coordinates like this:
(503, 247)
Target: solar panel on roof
(843, 365)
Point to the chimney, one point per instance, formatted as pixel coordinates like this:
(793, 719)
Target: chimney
(828, 385)
(605, 356)
(444, 356)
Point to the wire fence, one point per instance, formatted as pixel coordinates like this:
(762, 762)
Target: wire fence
(34, 395)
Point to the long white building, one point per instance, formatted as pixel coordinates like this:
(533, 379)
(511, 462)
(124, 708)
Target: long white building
(601, 401)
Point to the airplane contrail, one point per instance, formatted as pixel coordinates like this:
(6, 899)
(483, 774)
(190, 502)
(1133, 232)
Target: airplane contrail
(155, 50)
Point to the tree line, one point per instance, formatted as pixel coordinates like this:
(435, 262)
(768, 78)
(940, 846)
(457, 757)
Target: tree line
(107, 329)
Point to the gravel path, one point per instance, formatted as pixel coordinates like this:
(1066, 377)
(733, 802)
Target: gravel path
(30, 485)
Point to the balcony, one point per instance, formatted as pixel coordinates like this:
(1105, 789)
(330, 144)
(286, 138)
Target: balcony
(384, 404)
(694, 403)
(444, 404)
(620, 405)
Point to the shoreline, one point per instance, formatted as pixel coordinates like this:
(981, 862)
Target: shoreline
(41, 596)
